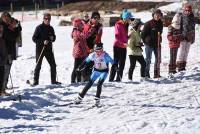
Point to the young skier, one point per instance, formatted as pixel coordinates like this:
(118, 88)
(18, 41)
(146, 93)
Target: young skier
(134, 49)
(174, 37)
(101, 60)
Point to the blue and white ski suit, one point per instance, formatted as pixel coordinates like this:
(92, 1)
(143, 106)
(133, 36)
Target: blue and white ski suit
(100, 70)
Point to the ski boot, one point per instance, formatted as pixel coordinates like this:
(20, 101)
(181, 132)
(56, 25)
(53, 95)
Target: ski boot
(78, 100)
(97, 102)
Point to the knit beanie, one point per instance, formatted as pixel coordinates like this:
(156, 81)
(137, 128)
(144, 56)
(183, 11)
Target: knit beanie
(176, 21)
(157, 11)
(126, 15)
(95, 14)
(136, 23)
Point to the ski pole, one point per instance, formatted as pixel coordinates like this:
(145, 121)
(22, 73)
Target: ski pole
(40, 55)
(28, 81)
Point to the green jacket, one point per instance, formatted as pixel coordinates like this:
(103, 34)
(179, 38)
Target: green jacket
(134, 43)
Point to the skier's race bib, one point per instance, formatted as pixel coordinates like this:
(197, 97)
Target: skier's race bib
(100, 63)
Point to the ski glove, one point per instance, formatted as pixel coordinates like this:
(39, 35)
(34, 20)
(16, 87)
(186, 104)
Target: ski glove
(46, 42)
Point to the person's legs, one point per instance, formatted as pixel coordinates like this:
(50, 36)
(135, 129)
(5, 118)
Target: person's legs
(51, 60)
(142, 62)
(76, 74)
(157, 54)
(93, 77)
(102, 77)
(172, 61)
(181, 56)
(148, 52)
(187, 48)
(132, 66)
(1, 79)
(122, 60)
(39, 58)
(116, 59)
(7, 70)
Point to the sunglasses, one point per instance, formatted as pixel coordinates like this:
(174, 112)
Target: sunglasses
(47, 19)
(187, 10)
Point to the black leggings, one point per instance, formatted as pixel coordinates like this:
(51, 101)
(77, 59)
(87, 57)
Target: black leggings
(133, 60)
(76, 75)
(120, 59)
(1, 78)
(88, 86)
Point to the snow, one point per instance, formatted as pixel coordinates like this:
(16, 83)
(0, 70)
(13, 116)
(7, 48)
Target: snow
(159, 106)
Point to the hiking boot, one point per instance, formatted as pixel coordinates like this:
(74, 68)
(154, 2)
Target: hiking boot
(78, 100)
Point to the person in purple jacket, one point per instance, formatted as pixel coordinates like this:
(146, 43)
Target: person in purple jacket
(120, 44)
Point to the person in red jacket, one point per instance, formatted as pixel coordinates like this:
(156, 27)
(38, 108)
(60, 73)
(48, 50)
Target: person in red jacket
(174, 37)
(80, 49)
(93, 38)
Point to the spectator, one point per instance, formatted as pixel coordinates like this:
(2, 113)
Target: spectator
(44, 36)
(120, 44)
(174, 37)
(134, 49)
(151, 36)
(188, 32)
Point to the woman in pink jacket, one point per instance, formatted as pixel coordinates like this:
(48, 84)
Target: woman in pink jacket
(120, 43)
(80, 49)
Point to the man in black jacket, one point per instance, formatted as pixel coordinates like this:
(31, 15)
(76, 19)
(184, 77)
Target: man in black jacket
(11, 30)
(2, 60)
(43, 36)
(151, 36)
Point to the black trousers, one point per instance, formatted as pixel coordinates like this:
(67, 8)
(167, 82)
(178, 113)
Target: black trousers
(48, 54)
(7, 70)
(88, 86)
(76, 75)
(133, 60)
(120, 59)
(172, 61)
(1, 78)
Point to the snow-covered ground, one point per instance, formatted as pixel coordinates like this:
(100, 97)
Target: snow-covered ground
(159, 106)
